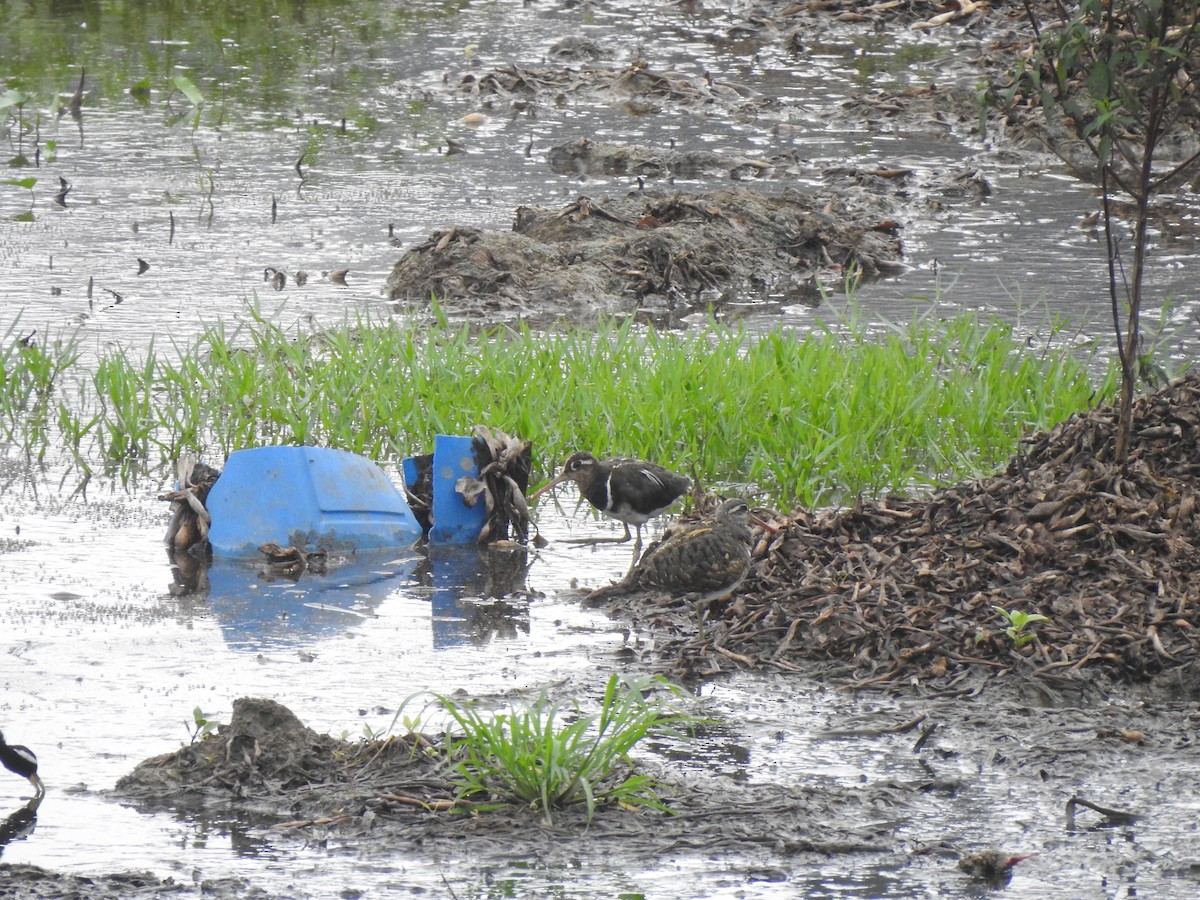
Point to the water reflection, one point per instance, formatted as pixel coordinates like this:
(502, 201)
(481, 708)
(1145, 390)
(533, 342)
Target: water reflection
(475, 595)
(260, 605)
(20, 824)
(243, 831)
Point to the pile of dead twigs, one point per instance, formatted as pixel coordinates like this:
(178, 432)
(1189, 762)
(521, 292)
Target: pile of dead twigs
(898, 590)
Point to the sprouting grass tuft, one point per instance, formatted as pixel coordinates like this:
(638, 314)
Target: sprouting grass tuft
(806, 418)
(31, 369)
(551, 758)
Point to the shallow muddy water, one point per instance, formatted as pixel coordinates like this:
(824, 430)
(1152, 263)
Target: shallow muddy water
(209, 199)
(103, 661)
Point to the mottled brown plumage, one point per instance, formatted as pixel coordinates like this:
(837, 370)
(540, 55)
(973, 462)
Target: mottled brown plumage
(709, 558)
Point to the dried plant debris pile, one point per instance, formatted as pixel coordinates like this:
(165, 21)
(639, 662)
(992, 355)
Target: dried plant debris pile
(646, 249)
(904, 589)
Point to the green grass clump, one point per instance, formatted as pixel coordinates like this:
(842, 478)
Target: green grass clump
(794, 418)
(550, 759)
(31, 369)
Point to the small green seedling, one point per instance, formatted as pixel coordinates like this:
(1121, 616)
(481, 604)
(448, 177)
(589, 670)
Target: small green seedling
(204, 725)
(1017, 623)
(188, 88)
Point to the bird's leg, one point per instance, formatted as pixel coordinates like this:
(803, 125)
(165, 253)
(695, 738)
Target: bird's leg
(610, 540)
(699, 607)
(633, 563)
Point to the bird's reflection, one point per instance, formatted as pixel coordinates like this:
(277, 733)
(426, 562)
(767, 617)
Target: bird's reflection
(20, 824)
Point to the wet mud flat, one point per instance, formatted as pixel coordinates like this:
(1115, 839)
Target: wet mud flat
(663, 251)
(771, 229)
(918, 828)
(1091, 722)
(891, 598)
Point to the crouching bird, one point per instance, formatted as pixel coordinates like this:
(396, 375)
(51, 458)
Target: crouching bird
(632, 491)
(21, 761)
(709, 558)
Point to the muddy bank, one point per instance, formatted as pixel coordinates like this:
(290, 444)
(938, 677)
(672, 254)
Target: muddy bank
(395, 797)
(386, 799)
(666, 253)
(905, 591)
(398, 793)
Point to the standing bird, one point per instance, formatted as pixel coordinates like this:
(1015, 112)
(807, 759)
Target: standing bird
(21, 761)
(631, 491)
(709, 558)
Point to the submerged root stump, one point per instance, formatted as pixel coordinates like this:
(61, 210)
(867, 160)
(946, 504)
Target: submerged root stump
(905, 589)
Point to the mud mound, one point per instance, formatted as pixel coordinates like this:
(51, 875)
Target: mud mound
(25, 882)
(646, 249)
(269, 766)
(642, 87)
(266, 754)
(905, 589)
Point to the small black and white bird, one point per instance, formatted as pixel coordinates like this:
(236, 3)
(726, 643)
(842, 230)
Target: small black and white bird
(21, 761)
(632, 491)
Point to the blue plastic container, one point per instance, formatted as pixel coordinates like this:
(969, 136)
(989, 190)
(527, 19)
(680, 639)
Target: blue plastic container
(453, 521)
(308, 497)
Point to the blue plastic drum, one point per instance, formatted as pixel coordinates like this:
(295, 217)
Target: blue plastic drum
(307, 497)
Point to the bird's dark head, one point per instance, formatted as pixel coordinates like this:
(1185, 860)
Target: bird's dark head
(580, 467)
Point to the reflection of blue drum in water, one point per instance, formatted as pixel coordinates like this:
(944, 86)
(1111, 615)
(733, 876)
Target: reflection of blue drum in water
(468, 590)
(307, 497)
(256, 607)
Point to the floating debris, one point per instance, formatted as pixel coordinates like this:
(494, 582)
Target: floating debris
(504, 465)
(991, 866)
(190, 521)
(292, 562)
